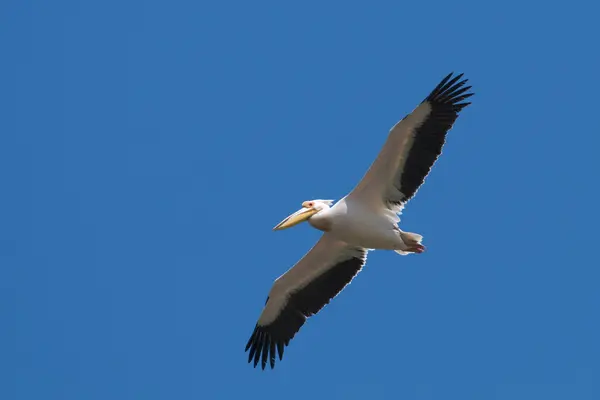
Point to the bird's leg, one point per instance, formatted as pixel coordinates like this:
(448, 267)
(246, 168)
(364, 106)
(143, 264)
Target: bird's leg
(417, 248)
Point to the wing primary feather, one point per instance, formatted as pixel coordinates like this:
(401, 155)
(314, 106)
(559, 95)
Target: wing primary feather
(258, 349)
(280, 348)
(252, 346)
(251, 340)
(272, 354)
(265, 351)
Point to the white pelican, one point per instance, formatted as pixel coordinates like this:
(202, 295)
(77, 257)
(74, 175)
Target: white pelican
(366, 219)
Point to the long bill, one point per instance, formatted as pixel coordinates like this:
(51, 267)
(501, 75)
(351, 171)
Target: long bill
(299, 216)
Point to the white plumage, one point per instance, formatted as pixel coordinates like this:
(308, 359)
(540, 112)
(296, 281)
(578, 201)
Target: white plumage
(367, 218)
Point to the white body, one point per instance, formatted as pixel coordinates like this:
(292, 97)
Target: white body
(358, 225)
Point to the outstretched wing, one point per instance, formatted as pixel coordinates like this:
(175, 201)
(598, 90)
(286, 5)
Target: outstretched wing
(300, 293)
(412, 147)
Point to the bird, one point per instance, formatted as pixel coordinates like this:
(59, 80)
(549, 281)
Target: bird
(365, 219)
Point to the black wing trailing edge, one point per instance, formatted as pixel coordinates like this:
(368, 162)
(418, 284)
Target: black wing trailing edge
(446, 102)
(269, 340)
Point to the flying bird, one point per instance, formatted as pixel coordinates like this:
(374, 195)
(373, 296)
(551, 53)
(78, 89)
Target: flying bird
(366, 219)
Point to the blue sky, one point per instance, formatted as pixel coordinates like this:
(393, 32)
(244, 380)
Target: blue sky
(147, 148)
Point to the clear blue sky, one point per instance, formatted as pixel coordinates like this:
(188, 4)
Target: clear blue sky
(147, 148)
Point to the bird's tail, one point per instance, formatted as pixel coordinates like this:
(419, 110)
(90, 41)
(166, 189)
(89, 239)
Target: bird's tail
(410, 240)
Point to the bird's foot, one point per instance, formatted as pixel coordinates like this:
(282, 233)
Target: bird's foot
(417, 248)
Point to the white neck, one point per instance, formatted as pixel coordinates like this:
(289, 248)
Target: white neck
(321, 220)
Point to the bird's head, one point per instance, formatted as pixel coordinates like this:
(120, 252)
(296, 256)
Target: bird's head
(309, 209)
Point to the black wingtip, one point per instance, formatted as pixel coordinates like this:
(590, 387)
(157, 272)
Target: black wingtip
(450, 91)
(263, 348)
